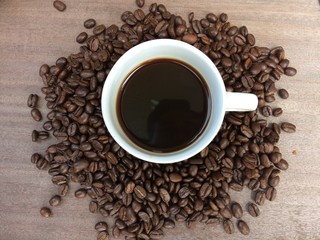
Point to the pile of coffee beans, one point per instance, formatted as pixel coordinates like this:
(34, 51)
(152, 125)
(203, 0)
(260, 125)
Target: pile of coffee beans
(146, 198)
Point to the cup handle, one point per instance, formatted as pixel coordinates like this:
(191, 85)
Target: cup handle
(241, 102)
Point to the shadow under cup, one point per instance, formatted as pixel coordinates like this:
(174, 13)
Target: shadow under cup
(163, 49)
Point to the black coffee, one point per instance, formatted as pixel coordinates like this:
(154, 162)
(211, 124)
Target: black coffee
(164, 105)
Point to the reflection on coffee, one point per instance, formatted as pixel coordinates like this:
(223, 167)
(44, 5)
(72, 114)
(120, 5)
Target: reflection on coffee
(163, 105)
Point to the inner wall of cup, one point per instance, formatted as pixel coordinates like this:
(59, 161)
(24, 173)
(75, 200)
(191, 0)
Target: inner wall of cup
(175, 51)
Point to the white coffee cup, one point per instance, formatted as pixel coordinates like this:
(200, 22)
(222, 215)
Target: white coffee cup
(222, 101)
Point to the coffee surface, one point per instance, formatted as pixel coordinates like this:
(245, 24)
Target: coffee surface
(163, 105)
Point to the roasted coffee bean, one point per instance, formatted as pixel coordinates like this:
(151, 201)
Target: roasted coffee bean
(36, 114)
(274, 181)
(175, 177)
(35, 157)
(89, 23)
(59, 5)
(44, 69)
(82, 37)
(289, 71)
(288, 127)
(164, 194)
(282, 164)
(98, 29)
(93, 207)
(47, 126)
(41, 163)
(271, 193)
(103, 235)
(80, 193)
(63, 189)
(253, 209)
(277, 112)
(226, 212)
(243, 227)
(45, 212)
(140, 192)
(184, 192)
(168, 223)
(283, 93)
(101, 226)
(80, 165)
(260, 197)
(228, 226)
(34, 135)
(55, 200)
(32, 100)
(140, 3)
(236, 210)
(189, 38)
(266, 111)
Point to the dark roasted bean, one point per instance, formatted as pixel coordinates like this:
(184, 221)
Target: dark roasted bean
(82, 37)
(36, 114)
(55, 200)
(283, 93)
(101, 226)
(277, 112)
(289, 71)
(45, 212)
(59, 5)
(89, 23)
(243, 227)
(288, 127)
(236, 210)
(228, 226)
(260, 197)
(140, 3)
(32, 100)
(253, 209)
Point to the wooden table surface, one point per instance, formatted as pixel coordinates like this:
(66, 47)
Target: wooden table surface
(32, 32)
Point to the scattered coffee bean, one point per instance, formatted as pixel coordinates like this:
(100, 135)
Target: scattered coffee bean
(101, 226)
(82, 37)
(243, 227)
(260, 197)
(63, 189)
(140, 192)
(266, 111)
(228, 226)
(35, 157)
(43, 135)
(140, 3)
(103, 235)
(34, 135)
(277, 112)
(175, 177)
(59, 5)
(271, 193)
(80, 193)
(289, 71)
(253, 209)
(236, 210)
(288, 127)
(32, 100)
(36, 114)
(283, 93)
(89, 23)
(45, 212)
(55, 200)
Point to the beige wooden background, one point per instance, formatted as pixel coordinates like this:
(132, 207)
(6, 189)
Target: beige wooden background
(32, 32)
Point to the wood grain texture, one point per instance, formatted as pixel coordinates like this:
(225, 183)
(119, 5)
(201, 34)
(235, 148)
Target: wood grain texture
(32, 32)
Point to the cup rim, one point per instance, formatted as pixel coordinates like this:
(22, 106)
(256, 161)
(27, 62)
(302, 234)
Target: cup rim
(131, 147)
